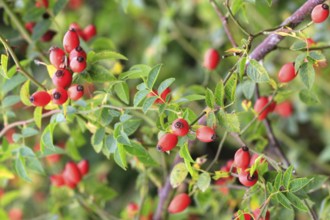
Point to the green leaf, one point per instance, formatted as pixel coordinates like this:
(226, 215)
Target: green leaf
(12, 83)
(29, 132)
(203, 181)
(237, 5)
(4, 66)
(308, 97)
(59, 6)
(299, 183)
(178, 174)
(257, 72)
(111, 144)
(10, 100)
(184, 153)
(131, 126)
(20, 169)
(190, 98)
(122, 91)
(248, 88)
(298, 45)
(300, 59)
(120, 156)
(209, 98)
(136, 72)
(153, 75)
(47, 137)
(165, 84)
(98, 73)
(316, 56)
(106, 117)
(316, 182)
(25, 93)
(285, 202)
(141, 153)
(104, 55)
(211, 120)
(229, 121)
(148, 103)
(97, 139)
(139, 96)
(37, 116)
(33, 14)
(287, 177)
(219, 93)
(278, 181)
(102, 43)
(307, 74)
(230, 88)
(40, 28)
(296, 202)
(241, 68)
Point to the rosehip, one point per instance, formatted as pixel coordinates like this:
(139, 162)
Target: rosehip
(247, 180)
(205, 134)
(179, 203)
(78, 64)
(211, 59)
(9, 135)
(29, 26)
(57, 180)
(310, 42)
(242, 157)
(287, 73)
(245, 215)
(57, 57)
(75, 92)
(132, 209)
(42, 3)
(83, 167)
(77, 52)
(62, 78)
(320, 13)
(40, 98)
(48, 36)
(59, 96)
(74, 4)
(71, 173)
(256, 213)
(15, 214)
(259, 106)
(284, 109)
(163, 96)
(167, 142)
(70, 40)
(89, 32)
(180, 127)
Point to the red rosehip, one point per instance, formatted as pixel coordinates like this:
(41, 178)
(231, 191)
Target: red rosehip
(77, 52)
(259, 106)
(310, 42)
(89, 32)
(83, 167)
(78, 64)
(57, 180)
(75, 92)
(59, 96)
(29, 26)
(48, 36)
(167, 142)
(132, 209)
(256, 213)
(9, 135)
(205, 134)
(74, 4)
(245, 215)
(15, 214)
(62, 78)
(242, 157)
(180, 127)
(42, 3)
(284, 109)
(40, 98)
(163, 96)
(70, 184)
(57, 57)
(211, 59)
(320, 13)
(54, 158)
(179, 203)
(287, 73)
(247, 180)
(71, 173)
(70, 40)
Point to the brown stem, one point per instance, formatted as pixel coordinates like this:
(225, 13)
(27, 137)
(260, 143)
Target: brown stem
(224, 21)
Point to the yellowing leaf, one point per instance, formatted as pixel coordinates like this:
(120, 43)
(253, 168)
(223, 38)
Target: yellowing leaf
(234, 50)
(51, 70)
(5, 173)
(117, 68)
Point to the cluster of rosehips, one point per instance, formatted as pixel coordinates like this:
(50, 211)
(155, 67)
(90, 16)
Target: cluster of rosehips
(71, 175)
(62, 78)
(180, 127)
(87, 33)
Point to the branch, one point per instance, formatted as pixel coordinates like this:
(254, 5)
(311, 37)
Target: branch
(294, 20)
(224, 21)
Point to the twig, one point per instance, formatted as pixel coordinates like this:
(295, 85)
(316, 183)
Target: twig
(235, 20)
(218, 151)
(224, 21)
